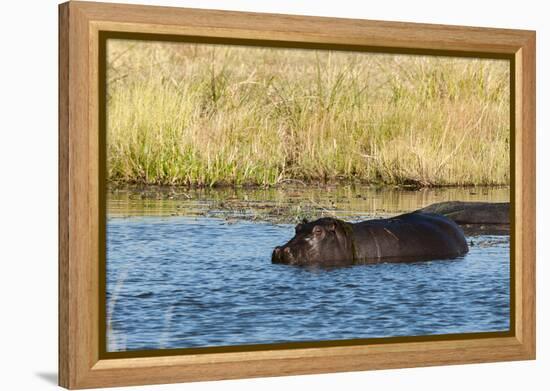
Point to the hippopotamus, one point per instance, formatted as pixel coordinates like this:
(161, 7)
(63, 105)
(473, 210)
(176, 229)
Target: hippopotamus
(475, 218)
(408, 237)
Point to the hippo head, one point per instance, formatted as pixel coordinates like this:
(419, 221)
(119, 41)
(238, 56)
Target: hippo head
(323, 242)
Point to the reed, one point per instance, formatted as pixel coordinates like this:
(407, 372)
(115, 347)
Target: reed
(207, 115)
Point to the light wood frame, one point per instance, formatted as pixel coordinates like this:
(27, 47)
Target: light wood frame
(80, 24)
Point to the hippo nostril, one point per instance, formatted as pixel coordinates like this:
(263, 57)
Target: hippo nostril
(287, 250)
(277, 250)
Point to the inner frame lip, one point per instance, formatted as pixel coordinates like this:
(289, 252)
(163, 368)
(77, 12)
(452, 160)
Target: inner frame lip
(105, 35)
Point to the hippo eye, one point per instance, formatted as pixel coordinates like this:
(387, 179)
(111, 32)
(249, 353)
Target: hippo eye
(317, 230)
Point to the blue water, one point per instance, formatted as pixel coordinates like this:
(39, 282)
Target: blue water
(178, 282)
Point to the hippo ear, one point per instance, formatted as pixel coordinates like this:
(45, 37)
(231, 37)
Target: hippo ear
(304, 221)
(331, 227)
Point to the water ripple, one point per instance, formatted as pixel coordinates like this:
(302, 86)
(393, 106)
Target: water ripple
(176, 282)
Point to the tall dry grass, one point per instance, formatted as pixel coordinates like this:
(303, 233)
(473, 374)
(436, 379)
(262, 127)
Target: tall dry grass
(208, 115)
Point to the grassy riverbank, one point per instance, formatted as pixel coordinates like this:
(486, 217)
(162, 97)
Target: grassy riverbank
(203, 115)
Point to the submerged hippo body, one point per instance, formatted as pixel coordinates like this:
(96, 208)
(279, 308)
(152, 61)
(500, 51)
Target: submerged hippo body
(409, 237)
(475, 218)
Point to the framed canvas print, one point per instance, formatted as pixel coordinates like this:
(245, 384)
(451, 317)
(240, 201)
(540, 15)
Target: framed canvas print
(247, 195)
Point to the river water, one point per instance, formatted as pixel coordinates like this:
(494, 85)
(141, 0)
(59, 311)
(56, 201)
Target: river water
(193, 269)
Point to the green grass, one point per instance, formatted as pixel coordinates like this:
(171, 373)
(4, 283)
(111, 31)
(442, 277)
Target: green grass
(183, 114)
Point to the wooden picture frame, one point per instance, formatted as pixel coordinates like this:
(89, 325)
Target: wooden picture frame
(81, 25)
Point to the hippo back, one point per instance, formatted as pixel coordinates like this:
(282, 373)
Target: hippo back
(409, 237)
(472, 212)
